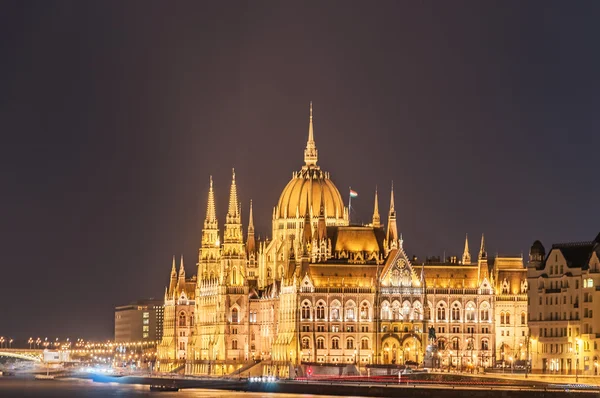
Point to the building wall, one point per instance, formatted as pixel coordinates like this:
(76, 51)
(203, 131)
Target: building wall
(563, 298)
(140, 321)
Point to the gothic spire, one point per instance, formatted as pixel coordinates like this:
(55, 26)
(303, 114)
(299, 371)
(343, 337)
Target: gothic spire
(310, 152)
(482, 252)
(376, 218)
(181, 269)
(321, 224)
(211, 213)
(233, 199)
(181, 279)
(466, 257)
(173, 282)
(392, 229)
(251, 243)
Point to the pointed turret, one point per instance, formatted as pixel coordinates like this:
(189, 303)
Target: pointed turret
(181, 279)
(376, 218)
(210, 248)
(310, 153)
(392, 230)
(482, 252)
(211, 213)
(482, 261)
(173, 282)
(251, 243)
(321, 225)
(233, 199)
(466, 257)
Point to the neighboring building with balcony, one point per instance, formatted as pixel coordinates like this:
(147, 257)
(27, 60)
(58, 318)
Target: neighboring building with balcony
(564, 294)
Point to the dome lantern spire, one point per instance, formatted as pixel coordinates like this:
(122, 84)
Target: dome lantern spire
(310, 152)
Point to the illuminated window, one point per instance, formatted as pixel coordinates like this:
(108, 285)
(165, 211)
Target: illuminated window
(146, 321)
(146, 315)
(335, 343)
(146, 328)
(320, 343)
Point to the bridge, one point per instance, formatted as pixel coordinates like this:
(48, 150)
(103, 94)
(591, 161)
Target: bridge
(24, 354)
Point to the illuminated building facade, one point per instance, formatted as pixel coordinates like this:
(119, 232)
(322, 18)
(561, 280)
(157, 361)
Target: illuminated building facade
(178, 322)
(564, 294)
(323, 291)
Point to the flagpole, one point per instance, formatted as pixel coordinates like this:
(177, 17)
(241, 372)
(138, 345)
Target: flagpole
(349, 203)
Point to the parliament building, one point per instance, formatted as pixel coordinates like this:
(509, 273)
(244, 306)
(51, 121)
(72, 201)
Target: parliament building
(323, 293)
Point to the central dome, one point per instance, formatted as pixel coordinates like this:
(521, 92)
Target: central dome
(308, 187)
(305, 190)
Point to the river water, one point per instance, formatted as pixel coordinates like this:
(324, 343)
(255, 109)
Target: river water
(74, 388)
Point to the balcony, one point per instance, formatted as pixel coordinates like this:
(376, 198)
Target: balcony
(553, 290)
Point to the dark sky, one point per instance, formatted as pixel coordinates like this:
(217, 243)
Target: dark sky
(114, 114)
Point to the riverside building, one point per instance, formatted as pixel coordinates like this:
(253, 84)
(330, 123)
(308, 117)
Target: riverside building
(323, 291)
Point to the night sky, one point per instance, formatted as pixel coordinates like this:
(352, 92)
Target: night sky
(114, 114)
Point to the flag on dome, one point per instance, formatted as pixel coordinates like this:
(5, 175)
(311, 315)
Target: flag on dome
(353, 194)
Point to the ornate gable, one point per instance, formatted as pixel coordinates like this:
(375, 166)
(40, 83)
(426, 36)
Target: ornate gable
(399, 271)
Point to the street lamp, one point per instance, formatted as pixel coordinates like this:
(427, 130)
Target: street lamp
(577, 340)
(510, 359)
(10, 343)
(30, 341)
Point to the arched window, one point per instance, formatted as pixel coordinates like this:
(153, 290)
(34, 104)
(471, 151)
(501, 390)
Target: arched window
(350, 344)
(508, 318)
(441, 343)
(182, 345)
(234, 277)
(234, 315)
(417, 312)
(335, 311)
(305, 343)
(441, 312)
(269, 272)
(470, 312)
(234, 345)
(364, 344)
(192, 319)
(182, 319)
(305, 311)
(350, 311)
(320, 343)
(364, 312)
(385, 311)
(455, 312)
(395, 310)
(524, 318)
(484, 345)
(502, 319)
(320, 311)
(485, 312)
(455, 344)
(335, 343)
(406, 310)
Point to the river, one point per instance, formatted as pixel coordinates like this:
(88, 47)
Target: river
(75, 388)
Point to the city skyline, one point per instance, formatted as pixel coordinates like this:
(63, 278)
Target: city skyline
(114, 132)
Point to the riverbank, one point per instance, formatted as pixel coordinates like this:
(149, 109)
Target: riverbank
(475, 387)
